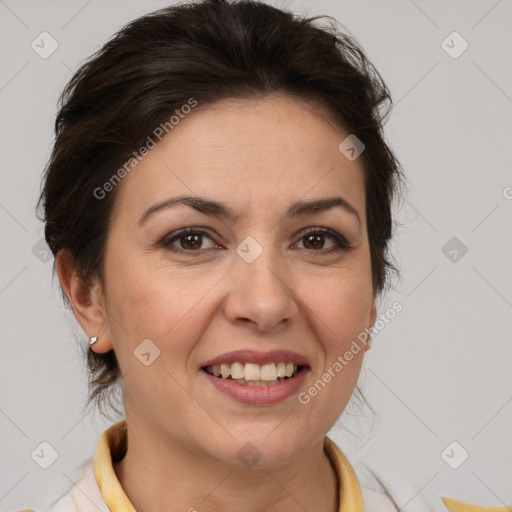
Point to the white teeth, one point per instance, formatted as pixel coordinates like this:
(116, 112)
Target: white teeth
(237, 371)
(252, 372)
(269, 372)
(242, 373)
(225, 371)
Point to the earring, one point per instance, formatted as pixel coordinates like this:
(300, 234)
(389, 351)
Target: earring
(93, 340)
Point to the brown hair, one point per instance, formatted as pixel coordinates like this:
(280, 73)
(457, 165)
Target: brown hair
(209, 50)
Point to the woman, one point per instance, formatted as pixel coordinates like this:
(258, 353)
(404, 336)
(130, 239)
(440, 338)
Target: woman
(218, 204)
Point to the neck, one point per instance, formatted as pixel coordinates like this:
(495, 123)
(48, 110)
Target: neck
(159, 474)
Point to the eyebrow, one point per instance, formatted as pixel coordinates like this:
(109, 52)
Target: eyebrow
(221, 210)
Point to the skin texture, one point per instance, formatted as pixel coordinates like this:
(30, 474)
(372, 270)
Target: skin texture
(257, 156)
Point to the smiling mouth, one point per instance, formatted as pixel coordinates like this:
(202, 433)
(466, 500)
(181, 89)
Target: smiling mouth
(251, 374)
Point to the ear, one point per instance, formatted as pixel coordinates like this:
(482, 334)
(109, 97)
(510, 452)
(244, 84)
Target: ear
(87, 301)
(371, 321)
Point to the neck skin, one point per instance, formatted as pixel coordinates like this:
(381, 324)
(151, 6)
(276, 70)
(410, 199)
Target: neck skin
(158, 474)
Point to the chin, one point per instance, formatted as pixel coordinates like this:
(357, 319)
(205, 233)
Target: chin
(257, 449)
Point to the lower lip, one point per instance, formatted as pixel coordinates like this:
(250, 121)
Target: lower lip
(258, 395)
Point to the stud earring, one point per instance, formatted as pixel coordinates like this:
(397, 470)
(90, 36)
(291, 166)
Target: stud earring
(93, 340)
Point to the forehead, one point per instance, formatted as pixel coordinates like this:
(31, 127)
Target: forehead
(258, 153)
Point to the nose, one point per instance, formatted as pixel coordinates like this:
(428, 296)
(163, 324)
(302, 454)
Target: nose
(261, 295)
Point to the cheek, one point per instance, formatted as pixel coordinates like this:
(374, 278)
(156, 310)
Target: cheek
(340, 306)
(167, 306)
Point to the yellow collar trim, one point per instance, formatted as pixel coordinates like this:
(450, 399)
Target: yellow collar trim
(350, 492)
(112, 448)
(459, 506)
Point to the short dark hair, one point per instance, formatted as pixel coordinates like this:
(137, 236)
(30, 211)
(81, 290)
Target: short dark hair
(208, 50)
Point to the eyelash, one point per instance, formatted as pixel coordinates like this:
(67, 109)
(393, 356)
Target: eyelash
(341, 242)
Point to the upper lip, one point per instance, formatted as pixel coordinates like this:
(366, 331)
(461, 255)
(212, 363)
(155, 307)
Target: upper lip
(257, 357)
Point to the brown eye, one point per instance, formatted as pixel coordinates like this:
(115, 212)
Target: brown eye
(187, 241)
(314, 240)
(191, 241)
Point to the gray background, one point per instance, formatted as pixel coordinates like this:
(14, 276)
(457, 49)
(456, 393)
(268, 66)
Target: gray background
(439, 372)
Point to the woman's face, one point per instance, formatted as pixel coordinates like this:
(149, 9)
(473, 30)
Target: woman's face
(263, 287)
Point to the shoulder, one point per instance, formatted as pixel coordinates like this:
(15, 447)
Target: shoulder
(392, 493)
(385, 491)
(83, 495)
(65, 503)
(372, 491)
